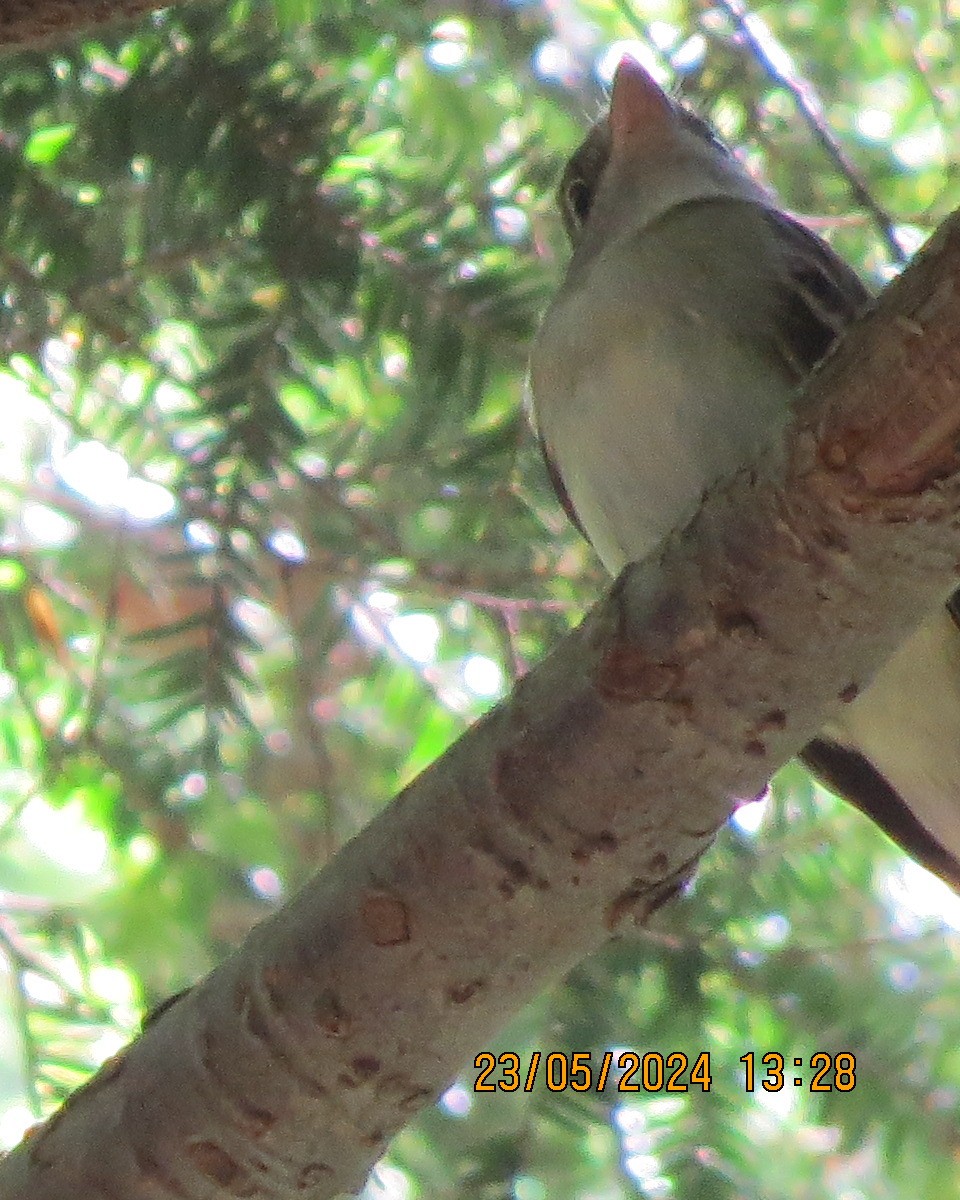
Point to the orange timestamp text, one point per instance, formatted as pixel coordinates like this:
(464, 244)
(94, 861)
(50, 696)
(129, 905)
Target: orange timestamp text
(631, 1071)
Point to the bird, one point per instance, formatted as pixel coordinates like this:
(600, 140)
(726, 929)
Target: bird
(692, 309)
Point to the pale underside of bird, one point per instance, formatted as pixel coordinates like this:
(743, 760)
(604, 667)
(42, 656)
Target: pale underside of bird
(691, 310)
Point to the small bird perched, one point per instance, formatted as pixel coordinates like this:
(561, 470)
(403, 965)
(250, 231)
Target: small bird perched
(692, 309)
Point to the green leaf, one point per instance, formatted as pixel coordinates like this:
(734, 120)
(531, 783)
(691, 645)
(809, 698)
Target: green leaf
(44, 146)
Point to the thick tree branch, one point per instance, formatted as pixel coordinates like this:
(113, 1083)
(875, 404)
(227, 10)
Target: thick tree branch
(577, 805)
(37, 22)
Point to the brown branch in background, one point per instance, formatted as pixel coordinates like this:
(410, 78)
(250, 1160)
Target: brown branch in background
(305, 724)
(35, 22)
(758, 39)
(515, 603)
(95, 699)
(507, 623)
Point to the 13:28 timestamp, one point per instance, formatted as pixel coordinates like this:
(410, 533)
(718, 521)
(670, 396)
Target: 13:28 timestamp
(831, 1072)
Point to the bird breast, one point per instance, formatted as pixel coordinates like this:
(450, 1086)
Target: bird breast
(650, 385)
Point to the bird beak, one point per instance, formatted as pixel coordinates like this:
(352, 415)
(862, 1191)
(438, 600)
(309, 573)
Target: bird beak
(641, 114)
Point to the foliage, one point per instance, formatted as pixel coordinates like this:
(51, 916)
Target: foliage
(275, 533)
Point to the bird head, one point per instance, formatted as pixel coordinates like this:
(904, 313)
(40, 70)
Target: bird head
(646, 156)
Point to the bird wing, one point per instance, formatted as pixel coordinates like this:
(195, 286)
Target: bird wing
(559, 487)
(851, 775)
(820, 294)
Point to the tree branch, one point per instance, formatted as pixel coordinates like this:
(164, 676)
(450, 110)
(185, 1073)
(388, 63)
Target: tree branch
(39, 22)
(579, 804)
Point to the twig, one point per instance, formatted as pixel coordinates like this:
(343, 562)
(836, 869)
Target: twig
(759, 40)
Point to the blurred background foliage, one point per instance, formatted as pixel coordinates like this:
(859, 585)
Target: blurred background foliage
(275, 532)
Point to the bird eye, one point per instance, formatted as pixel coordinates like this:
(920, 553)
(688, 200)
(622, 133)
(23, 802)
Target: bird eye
(579, 197)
